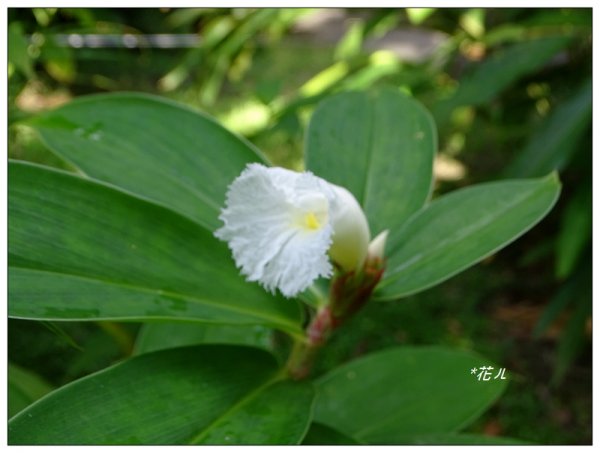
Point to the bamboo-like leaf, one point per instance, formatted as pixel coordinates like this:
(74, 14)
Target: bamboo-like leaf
(552, 146)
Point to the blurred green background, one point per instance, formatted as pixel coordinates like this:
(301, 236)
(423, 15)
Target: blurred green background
(510, 90)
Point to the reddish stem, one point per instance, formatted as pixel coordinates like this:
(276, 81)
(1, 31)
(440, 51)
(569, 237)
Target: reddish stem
(349, 293)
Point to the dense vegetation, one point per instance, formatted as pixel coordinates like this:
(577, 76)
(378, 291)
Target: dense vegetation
(510, 93)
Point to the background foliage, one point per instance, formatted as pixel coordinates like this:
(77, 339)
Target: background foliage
(510, 90)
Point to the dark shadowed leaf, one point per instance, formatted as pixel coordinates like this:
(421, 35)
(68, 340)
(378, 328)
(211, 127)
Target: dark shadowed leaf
(154, 336)
(558, 137)
(319, 434)
(24, 387)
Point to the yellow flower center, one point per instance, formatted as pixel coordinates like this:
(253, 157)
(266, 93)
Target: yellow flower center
(311, 221)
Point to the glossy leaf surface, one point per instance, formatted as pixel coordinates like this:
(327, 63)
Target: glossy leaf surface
(459, 229)
(192, 395)
(399, 394)
(155, 148)
(82, 250)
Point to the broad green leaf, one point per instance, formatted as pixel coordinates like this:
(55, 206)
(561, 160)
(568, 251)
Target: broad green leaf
(554, 143)
(152, 147)
(380, 146)
(466, 439)
(164, 335)
(79, 249)
(459, 229)
(324, 435)
(277, 414)
(488, 78)
(400, 394)
(24, 387)
(192, 395)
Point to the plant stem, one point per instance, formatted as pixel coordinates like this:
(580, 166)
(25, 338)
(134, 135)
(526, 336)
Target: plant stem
(348, 293)
(303, 353)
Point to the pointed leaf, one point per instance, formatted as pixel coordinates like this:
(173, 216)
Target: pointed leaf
(79, 249)
(461, 228)
(201, 394)
(380, 146)
(495, 73)
(150, 146)
(552, 146)
(399, 394)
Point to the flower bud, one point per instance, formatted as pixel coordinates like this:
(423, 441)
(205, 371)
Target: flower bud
(377, 246)
(350, 231)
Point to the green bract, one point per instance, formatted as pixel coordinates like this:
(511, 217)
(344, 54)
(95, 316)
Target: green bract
(129, 236)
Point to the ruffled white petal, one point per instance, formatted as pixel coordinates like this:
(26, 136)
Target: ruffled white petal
(277, 225)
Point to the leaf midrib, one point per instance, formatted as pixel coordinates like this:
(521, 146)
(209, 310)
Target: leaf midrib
(235, 407)
(194, 299)
(477, 226)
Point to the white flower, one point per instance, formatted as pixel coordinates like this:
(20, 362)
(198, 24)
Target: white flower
(280, 226)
